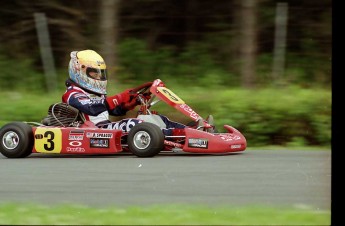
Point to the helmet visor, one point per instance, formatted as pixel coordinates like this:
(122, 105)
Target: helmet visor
(96, 73)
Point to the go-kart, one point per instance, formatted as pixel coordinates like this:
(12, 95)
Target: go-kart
(65, 131)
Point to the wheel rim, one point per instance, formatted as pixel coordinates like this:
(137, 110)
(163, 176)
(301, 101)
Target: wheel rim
(142, 140)
(10, 140)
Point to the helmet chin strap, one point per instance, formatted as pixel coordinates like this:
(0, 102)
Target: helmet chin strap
(69, 82)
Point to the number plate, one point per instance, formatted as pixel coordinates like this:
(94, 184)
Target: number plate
(48, 140)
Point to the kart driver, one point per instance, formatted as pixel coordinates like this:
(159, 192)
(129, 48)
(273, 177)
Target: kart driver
(86, 91)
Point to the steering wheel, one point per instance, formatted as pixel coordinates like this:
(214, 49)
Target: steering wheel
(141, 93)
(142, 88)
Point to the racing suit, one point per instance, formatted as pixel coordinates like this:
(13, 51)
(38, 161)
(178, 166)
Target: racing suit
(95, 109)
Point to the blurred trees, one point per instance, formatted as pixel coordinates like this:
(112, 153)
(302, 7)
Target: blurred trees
(109, 26)
(230, 41)
(248, 19)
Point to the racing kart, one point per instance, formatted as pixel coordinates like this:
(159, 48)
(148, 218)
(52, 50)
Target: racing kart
(65, 131)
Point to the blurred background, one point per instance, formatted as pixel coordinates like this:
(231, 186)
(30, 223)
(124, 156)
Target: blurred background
(263, 66)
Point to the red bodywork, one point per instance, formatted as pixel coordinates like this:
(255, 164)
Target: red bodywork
(88, 139)
(197, 141)
(203, 142)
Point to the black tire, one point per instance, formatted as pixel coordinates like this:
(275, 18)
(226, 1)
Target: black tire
(16, 140)
(145, 140)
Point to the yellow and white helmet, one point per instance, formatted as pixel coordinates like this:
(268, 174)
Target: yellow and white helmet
(88, 70)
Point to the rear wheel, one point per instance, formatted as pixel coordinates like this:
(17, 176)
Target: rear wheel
(145, 140)
(16, 139)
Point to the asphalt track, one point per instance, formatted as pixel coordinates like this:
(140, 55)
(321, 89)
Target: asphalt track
(260, 177)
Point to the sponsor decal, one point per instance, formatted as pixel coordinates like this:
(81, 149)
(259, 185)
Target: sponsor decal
(230, 137)
(76, 135)
(170, 143)
(125, 125)
(197, 143)
(75, 149)
(235, 146)
(75, 143)
(99, 143)
(170, 95)
(85, 102)
(190, 111)
(99, 135)
(80, 95)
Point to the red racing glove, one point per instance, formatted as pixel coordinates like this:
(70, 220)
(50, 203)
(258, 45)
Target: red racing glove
(130, 105)
(120, 99)
(134, 101)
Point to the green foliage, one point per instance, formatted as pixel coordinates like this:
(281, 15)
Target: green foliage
(136, 58)
(199, 64)
(19, 74)
(282, 116)
(287, 116)
(273, 116)
(309, 71)
(24, 106)
(193, 65)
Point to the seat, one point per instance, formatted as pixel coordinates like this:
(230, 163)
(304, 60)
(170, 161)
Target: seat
(62, 114)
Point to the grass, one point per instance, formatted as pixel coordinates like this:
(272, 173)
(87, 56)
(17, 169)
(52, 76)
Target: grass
(33, 214)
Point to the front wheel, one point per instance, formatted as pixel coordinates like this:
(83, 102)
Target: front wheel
(145, 140)
(16, 140)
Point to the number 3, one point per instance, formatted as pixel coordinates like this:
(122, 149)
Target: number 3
(50, 141)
